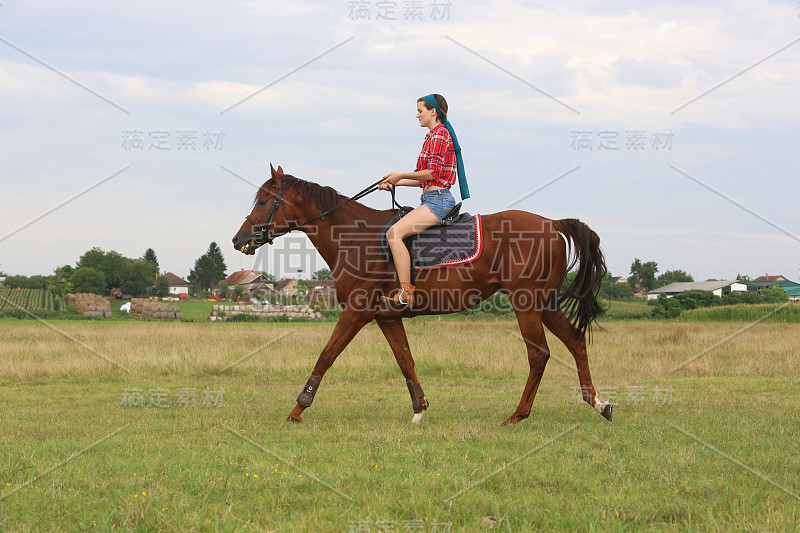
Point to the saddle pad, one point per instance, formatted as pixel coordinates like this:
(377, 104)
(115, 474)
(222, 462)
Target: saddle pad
(439, 246)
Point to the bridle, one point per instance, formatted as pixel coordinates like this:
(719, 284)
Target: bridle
(262, 233)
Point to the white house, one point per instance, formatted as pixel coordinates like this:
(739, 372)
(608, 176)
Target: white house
(177, 285)
(718, 288)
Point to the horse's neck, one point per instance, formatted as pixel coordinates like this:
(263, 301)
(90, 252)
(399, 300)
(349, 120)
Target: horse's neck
(356, 218)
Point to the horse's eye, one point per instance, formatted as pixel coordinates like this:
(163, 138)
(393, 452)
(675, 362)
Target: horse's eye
(261, 202)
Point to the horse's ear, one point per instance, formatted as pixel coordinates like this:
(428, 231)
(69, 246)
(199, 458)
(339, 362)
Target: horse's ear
(280, 171)
(272, 170)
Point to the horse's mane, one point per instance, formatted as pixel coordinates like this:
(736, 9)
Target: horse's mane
(325, 197)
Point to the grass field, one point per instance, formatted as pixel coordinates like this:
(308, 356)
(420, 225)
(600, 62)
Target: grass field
(705, 436)
(785, 312)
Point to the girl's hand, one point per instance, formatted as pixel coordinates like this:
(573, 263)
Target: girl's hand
(390, 180)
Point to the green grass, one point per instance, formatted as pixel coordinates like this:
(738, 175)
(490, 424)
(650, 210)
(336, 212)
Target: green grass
(788, 312)
(193, 310)
(626, 310)
(194, 469)
(714, 450)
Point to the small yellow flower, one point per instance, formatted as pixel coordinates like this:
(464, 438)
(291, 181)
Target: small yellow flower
(8, 484)
(144, 493)
(301, 475)
(135, 495)
(255, 476)
(247, 474)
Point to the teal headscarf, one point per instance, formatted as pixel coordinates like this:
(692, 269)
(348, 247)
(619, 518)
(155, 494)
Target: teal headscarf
(462, 178)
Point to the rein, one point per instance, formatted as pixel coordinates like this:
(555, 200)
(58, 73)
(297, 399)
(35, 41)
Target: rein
(261, 233)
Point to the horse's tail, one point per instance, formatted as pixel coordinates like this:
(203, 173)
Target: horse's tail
(579, 299)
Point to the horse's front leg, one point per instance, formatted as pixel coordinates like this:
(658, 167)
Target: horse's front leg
(395, 333)
(346, 328)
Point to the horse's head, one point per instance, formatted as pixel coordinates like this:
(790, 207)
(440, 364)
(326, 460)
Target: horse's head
(268, 219)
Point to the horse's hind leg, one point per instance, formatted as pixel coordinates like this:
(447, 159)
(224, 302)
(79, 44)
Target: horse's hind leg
(530, 325)
(576, 344)
(395, 333)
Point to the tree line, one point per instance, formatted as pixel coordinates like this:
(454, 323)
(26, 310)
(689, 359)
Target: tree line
(105, 272)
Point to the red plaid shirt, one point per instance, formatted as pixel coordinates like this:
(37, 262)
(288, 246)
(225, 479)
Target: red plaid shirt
(439, 157)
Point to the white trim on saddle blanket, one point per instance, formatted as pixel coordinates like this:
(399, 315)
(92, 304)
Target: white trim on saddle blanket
(470, 258)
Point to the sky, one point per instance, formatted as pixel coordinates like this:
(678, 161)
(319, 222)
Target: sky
(670, 128)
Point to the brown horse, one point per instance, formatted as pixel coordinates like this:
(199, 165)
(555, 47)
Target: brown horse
(524, 256)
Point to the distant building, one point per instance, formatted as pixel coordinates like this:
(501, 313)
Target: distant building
(253, 284)
(287, 286)
(177, 285)
(770, 278)
(718, 288)
(789, 287)
(321, 284)
(322, 291)
(794, 293)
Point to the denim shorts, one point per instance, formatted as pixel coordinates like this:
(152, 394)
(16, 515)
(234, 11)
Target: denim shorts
(440, 201)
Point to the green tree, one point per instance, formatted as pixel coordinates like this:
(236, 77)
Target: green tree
(150, 255)
(774, 294)
(643, 274)
(302, 286)
(743, 277)
(224, 291)
(667, 307)
(323, 273)
(162, 286)
(672, 276)
(88, 279)
(209, 269)
(614, 291)
(138, 276)
(111, 264)
(61, 282)
(25, 282)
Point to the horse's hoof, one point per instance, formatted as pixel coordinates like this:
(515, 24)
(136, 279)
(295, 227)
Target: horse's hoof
(417, 418)
(608, 412)
(293, 420)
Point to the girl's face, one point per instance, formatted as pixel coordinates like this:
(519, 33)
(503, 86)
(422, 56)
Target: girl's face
(426, 117)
